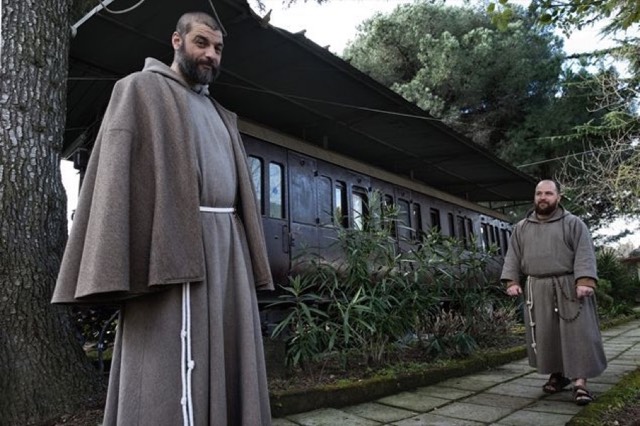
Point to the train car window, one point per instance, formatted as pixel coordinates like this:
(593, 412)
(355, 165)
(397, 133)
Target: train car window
(340, 200)
(359, 208)
(325, 201)
(416, 219)
(462, 232)
(496, 237)
(484, 230)
(470, 232)
(435, 220)
(404, 221)
(276, 193)
(387, 205)
(255, 167)
(505, 241)
(452, 225)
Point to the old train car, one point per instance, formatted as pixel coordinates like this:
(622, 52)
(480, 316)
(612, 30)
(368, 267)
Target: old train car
(300, 189)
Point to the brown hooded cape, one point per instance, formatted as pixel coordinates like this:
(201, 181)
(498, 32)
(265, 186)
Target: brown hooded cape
(137, 225)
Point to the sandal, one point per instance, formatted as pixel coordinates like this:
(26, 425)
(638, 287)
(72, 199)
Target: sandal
(582, 396)
(556, 383)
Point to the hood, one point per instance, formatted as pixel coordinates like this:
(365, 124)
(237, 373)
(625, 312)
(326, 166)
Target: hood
(154, 65)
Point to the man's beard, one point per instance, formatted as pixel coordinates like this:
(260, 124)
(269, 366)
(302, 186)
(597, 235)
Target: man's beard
(545, 211)
(193, 73)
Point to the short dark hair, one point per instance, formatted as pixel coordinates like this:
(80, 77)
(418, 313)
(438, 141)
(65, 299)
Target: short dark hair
(187, 20)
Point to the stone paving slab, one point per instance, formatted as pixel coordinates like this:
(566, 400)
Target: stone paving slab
(535, 418)
(330, 417)
(466, 383)
(534, 382)
(495, 400)
(413, 401)
(632, 332)
(606, 378)
(555, 407)
(497, 376)
(379, 412)
(430, 419)
(517, 389)
(474, 412)
(600, 387)
(444, 392)
(565, 396)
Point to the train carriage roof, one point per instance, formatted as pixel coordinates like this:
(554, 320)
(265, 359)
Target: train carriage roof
(286, 82)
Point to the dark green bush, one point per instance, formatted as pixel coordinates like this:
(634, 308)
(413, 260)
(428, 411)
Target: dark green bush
(376, 297)
(618, 285)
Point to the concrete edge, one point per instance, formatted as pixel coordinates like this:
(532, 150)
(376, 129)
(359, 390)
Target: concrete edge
(357, 392)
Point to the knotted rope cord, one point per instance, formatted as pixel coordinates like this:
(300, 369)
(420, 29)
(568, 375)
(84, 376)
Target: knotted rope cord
(532, 323)
(187, 363)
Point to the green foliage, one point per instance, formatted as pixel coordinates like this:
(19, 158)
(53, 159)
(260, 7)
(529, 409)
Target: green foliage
(618, 285)
(601, 179)
(573, 14)
(454, 63)
(378, 297)
(90, 322)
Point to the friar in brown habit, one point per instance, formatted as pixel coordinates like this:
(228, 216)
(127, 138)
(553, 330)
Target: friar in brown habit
(553, 249)
(167, 227)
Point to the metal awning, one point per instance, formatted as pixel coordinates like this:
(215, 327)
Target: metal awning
(286, 82)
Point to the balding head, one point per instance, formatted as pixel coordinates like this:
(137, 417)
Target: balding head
(552, 182)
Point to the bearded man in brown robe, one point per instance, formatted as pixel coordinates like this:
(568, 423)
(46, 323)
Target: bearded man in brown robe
(553, 249)
(168, 228)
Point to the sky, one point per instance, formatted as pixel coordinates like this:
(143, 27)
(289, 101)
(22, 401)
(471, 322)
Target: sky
(334, 24)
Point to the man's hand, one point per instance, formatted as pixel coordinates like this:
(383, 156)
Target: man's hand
(584, 291)
(514, 290)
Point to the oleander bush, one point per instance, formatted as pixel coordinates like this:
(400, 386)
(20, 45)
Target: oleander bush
(437, 295)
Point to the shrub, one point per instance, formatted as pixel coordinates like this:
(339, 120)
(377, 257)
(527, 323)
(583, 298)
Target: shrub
(618, 286)
(437, 294)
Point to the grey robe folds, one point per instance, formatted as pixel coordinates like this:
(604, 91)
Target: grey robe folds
(563, 332)
(139, 239)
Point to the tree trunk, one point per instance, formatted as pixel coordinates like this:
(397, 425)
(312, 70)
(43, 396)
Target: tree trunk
(43, 370)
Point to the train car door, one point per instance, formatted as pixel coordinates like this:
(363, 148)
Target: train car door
(331, 185)
(303, 205)
(267, 164)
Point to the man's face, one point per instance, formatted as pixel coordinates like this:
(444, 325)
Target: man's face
(199, 53)
(547, 198)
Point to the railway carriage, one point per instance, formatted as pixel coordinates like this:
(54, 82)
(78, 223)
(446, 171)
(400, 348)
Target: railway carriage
(303, 191)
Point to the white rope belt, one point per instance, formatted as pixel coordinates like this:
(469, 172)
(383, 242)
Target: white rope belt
(186, 360)
(187, 363)
(532, 322)
(217, 209)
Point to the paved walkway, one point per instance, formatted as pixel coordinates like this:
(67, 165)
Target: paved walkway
(508, 395)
